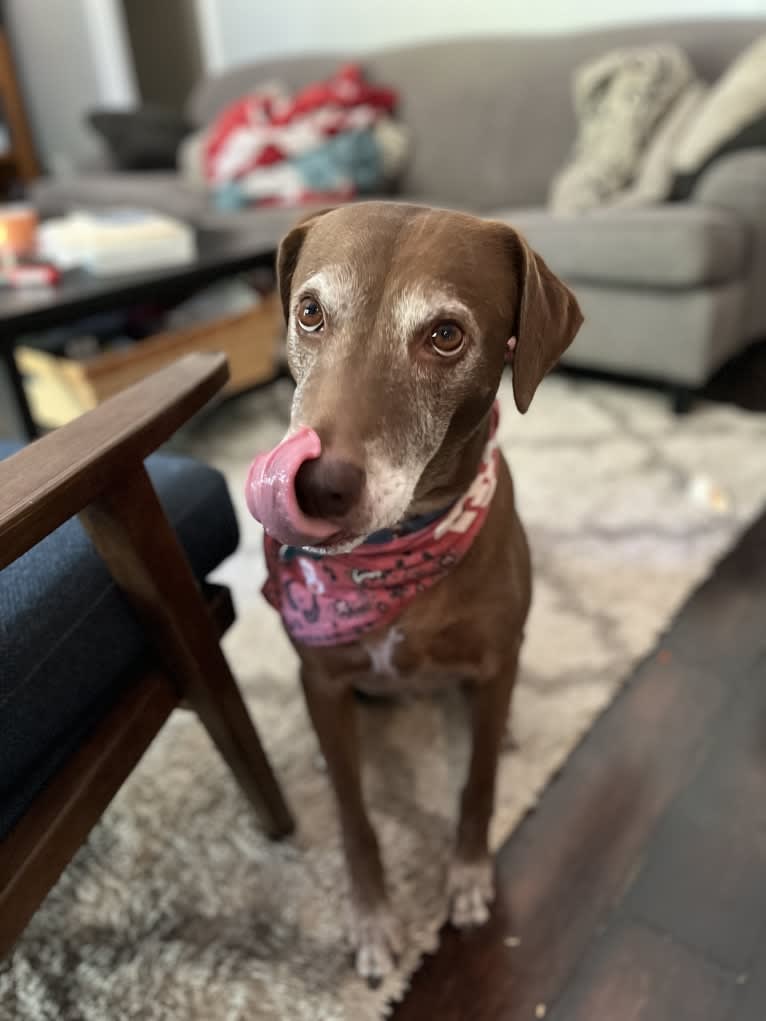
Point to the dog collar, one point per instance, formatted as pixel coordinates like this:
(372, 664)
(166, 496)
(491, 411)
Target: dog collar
(379, 538)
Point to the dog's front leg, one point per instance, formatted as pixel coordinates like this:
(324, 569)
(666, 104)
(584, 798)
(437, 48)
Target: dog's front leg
(375, 931)
(470, 883)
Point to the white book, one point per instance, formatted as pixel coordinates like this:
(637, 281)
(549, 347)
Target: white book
(117, 241)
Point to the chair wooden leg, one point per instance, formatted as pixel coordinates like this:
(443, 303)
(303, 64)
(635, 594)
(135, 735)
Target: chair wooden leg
(129, 528)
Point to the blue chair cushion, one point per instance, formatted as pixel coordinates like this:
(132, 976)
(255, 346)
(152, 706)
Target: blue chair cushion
(69, 640)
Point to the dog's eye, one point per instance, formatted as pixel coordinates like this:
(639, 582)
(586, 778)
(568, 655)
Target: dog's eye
(310, 315)
(447, 339)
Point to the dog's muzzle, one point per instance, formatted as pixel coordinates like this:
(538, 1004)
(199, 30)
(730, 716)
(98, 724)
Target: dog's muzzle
(271, 492)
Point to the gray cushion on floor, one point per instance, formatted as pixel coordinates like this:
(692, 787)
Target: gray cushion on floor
(665, 246)
(69, 641)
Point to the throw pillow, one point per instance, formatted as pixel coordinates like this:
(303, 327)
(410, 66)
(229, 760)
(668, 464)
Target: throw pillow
(655, 178)
(619, 99)
(732, 117)
(143, 139)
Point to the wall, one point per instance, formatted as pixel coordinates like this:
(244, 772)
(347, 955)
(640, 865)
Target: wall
(234, 31)
(71, 56)
(165, 45)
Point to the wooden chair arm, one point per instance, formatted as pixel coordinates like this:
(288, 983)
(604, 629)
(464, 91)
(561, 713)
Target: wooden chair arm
(57, 476)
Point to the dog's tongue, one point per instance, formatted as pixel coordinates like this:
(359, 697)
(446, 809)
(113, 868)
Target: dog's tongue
(270, 492)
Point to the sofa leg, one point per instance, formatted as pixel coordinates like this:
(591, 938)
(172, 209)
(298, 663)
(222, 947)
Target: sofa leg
(682, 399)
(129, 529)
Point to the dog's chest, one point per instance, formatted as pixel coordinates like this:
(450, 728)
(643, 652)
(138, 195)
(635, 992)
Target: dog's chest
(450, 634)
(382, 653)
(398, 663)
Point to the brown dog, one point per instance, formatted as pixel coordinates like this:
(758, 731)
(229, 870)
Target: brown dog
(400, 319)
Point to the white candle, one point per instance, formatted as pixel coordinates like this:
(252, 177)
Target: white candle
(7, 254)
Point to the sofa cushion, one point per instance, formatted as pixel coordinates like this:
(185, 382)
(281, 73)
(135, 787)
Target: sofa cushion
(664, 246)
(162, 190)
(263, 227)
(69, 639)
(269, 224)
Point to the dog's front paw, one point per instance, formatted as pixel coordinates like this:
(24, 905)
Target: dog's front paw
(471, 890)
(377, 939)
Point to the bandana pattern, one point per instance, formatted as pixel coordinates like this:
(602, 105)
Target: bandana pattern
(336, 600)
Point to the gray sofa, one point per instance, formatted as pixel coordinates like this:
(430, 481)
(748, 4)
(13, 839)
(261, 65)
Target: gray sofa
(669, 292)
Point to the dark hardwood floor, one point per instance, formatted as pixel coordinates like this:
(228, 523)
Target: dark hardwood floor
(637, 889)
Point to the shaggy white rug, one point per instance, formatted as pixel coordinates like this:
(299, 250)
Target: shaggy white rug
(178, 907)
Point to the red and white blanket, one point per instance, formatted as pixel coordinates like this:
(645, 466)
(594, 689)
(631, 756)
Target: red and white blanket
(270, 126)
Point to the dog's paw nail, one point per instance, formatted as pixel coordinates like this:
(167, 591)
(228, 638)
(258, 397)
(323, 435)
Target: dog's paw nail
(378, 942)
(373, 962)
(471, 891)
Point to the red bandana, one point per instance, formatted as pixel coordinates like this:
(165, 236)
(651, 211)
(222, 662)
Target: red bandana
(335, 600)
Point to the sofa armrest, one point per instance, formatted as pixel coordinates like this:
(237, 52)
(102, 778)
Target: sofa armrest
(736, 182)
(59, 475)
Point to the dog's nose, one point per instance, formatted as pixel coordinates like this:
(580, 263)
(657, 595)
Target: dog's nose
(327, 487)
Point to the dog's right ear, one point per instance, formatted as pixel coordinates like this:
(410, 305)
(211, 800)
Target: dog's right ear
(289, 250)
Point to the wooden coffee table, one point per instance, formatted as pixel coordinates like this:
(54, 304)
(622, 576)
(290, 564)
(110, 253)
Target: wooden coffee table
(79, 294)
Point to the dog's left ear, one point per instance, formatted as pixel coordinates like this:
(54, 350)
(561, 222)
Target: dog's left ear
(289, 250)
(546, 321)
